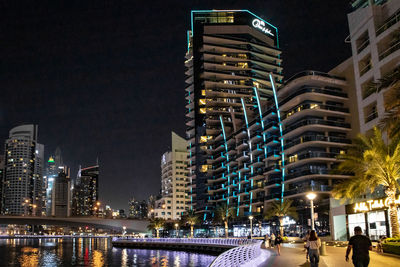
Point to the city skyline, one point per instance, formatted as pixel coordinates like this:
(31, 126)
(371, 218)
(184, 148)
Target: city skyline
(101, 100)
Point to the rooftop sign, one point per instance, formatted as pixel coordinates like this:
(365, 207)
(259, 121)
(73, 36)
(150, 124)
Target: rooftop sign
(259, 24)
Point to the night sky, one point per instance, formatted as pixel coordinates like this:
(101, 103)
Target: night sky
(106, 78)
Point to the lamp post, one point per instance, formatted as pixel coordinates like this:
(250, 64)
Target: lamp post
(176, 230)
(311, 196)
(124, 232)
(251, 226)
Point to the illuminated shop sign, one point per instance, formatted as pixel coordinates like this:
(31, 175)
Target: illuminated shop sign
(259, 24)
(373, 204)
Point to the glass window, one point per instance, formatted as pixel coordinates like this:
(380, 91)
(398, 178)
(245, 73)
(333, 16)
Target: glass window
(356, 220)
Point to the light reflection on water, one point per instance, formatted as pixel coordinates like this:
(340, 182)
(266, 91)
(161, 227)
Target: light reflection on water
(95, 252)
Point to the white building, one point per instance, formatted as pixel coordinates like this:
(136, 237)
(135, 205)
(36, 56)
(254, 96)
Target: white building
(174, 180)
(23, 179)
(375, 44)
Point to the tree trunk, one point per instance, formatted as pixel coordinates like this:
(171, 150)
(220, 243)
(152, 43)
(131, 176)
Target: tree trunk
(191, 231)
(157, 232)
(394, 222)
(281, 225)
(226, 229)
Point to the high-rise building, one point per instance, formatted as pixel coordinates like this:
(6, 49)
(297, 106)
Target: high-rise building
(23, 179)
(174, 180)
(1, 180)
(231, 60)
(61, 194)
(138, 209)
(375, 43)
(53, 167)
(86, 192)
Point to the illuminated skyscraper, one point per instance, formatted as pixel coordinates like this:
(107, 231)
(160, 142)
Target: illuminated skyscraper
(86, 192)
(231, 59)
(23, 180)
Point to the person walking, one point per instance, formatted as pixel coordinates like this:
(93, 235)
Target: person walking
(313, 244)
(361, 246)
(305, 245)
(278, 242)
(266, 241)
(272, 240)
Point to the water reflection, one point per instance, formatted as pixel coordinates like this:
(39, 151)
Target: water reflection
(97, 252)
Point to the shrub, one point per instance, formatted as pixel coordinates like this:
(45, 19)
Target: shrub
(391, 247)
(285, 239)
(393, 239)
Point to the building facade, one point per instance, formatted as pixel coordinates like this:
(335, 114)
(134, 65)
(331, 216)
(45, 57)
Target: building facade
(231, 59)
(375, 45)
(138, 209)
(61, 194)
(23, 177)
(86, 192)
(174, 181)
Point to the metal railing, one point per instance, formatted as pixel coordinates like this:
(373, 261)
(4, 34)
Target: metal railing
(389, 51)
(202, 241)
(248, 255)
(388, 23)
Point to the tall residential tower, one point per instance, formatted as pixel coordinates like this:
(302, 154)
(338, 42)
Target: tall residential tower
(232, 57)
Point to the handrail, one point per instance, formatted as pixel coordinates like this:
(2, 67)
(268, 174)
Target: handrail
(312, 73)
(247, 255)
(203, 241)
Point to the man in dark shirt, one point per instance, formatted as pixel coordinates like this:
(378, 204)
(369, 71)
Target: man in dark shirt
(361, 246)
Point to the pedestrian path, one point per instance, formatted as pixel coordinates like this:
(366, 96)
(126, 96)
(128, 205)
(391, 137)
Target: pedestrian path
(294, 255)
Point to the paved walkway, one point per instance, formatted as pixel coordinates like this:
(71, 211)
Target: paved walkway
(294, 255)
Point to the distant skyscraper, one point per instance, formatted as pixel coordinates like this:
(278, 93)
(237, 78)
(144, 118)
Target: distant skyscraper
(137, 209)
(61, 195)
(86, 192)
(1, 180)
(22, 192)
(174, 180)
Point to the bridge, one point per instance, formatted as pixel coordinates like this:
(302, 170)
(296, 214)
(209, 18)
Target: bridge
(137, 226)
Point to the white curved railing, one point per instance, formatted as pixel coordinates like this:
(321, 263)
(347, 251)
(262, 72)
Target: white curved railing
(246, 255)
(245, 252)
(203, 241)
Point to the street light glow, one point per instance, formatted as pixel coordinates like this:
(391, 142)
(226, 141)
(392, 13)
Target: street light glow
(251, 217)
(311, 196)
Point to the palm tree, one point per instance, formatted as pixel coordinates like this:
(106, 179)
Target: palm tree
(373, 163)
(222, 214)
(156, 224)
(192, 219)
(281, 209)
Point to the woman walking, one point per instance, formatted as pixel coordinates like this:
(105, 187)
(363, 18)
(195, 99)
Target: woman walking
(305, 245)
(313, 244)
(278, 242)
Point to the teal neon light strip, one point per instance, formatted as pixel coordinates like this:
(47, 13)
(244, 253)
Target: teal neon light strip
(247, 126)
(281, 132)
(226, 150)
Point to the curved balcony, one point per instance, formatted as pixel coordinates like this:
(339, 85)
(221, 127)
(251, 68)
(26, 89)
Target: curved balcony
(316, 138)
(314, 90)
(312, 73)
(307, 122)
(304, 190)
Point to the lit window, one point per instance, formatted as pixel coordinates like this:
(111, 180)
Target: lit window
(293, 158)
(202, 101)
(204, 139)
(203, 92)
(202, 110)
(224, 55)
(204, 168)
(312, 106)
(243, 64)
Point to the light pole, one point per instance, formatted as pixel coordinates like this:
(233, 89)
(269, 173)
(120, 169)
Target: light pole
(251, 226)
(311, 196)
(124, 232)
(176, 230)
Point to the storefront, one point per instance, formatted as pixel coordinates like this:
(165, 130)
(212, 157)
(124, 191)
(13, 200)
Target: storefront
(371, 215)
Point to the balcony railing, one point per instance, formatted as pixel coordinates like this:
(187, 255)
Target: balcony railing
(315, 154)
(318, 188)
(310, 138)
(363, 46)
(388, 23)
(312, 73)
(371, 116)
(306, 172)
(316, 121)
(317, 106)
(365, 69)
(313, 90)
(389, 51)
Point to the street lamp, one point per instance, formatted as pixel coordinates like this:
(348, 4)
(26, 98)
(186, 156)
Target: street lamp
(311, 196)
(251, 226)
(176, 229)
(124, 228)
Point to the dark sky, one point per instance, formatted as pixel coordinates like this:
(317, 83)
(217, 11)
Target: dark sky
(106, 78)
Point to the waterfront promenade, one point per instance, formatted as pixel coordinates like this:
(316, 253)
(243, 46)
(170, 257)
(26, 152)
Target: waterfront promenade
(294, 255)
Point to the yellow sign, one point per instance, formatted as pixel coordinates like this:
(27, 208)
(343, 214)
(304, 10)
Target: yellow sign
(374, 204)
